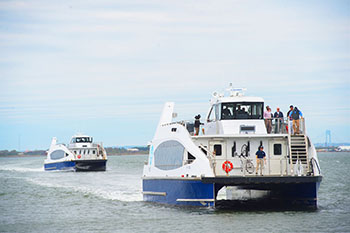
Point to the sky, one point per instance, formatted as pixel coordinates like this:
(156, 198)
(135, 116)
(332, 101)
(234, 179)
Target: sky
(105, 68)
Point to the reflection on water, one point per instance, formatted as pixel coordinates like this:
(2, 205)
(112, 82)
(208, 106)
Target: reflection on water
(264, 204)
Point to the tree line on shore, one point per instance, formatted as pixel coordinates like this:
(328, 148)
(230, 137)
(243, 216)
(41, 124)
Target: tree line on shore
(26, 153)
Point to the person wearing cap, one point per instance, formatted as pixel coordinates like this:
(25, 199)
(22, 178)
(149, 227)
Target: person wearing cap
(260, 160)
(295, 115)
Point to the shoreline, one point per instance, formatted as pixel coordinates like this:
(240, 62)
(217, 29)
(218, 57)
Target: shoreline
(25, 156)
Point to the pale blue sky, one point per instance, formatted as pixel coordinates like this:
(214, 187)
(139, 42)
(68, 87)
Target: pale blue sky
(105, 68)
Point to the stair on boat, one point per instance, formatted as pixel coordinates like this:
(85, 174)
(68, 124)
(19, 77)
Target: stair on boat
(298, 148)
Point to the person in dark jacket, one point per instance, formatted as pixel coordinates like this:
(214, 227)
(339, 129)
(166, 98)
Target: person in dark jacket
(290, 110)
(197, 124)
(295, 115)
(278, 120)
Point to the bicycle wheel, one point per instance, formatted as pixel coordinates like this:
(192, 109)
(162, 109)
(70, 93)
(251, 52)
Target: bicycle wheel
(249, 167)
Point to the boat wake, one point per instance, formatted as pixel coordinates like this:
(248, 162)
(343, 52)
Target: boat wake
(133, 194)
(21, 169)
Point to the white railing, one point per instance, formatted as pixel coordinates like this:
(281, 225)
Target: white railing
(279, 125)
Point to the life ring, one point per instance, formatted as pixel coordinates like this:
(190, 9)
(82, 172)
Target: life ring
(79, 156)
(227, 166)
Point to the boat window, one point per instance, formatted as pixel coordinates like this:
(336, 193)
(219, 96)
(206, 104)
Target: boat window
(57, 154)
(169, 155)
(211, 116)
(217, 149)
(93, 151)
(83, 139)
(234, 149)
(204, 150)
(190, 158)
(277, 149)
(242, 110)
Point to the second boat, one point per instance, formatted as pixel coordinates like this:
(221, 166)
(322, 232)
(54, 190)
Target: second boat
(81, 154)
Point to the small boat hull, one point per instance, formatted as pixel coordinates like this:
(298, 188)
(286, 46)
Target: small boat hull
(81, 165)
(90, 165)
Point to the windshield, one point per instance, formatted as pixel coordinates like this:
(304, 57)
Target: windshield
(242, 110)
(82, 140)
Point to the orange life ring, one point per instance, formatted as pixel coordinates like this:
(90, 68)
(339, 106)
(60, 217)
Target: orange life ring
(227, 166)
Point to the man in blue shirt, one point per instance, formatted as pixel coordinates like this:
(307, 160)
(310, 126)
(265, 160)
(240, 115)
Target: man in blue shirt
(295, 115)
(260, 159)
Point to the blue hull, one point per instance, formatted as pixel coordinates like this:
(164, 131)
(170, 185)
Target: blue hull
(297, 194)
(198, 193)
(178, 192)
(81, 165)
(66, 165)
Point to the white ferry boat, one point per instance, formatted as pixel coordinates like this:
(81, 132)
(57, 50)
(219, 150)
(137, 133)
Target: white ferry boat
(80, 155)
(217, 165)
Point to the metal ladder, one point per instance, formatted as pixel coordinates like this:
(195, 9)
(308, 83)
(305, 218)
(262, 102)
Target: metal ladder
(298, 150)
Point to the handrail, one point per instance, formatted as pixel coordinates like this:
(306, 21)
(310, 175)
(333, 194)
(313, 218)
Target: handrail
(280, 125)
(210, 156)
(302, 128)
(318, 167)
(183, 123)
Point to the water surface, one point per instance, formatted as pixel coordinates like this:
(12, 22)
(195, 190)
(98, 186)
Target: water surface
(34, 200)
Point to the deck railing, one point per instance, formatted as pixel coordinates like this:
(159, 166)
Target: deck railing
(280, 125)
(294, 124)
(285, 125)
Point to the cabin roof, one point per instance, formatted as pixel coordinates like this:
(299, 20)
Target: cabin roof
(240, 99)
(81, 136)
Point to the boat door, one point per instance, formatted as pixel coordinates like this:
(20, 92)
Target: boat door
(277, 157)
(218, 149)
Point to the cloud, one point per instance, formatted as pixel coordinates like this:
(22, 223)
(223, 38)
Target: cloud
(115, 59)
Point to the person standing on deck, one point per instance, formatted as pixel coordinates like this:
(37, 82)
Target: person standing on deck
(260, 160)
(268, 118)
(278, 120)
(290, 119)
(197, 124)
(295, 115)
